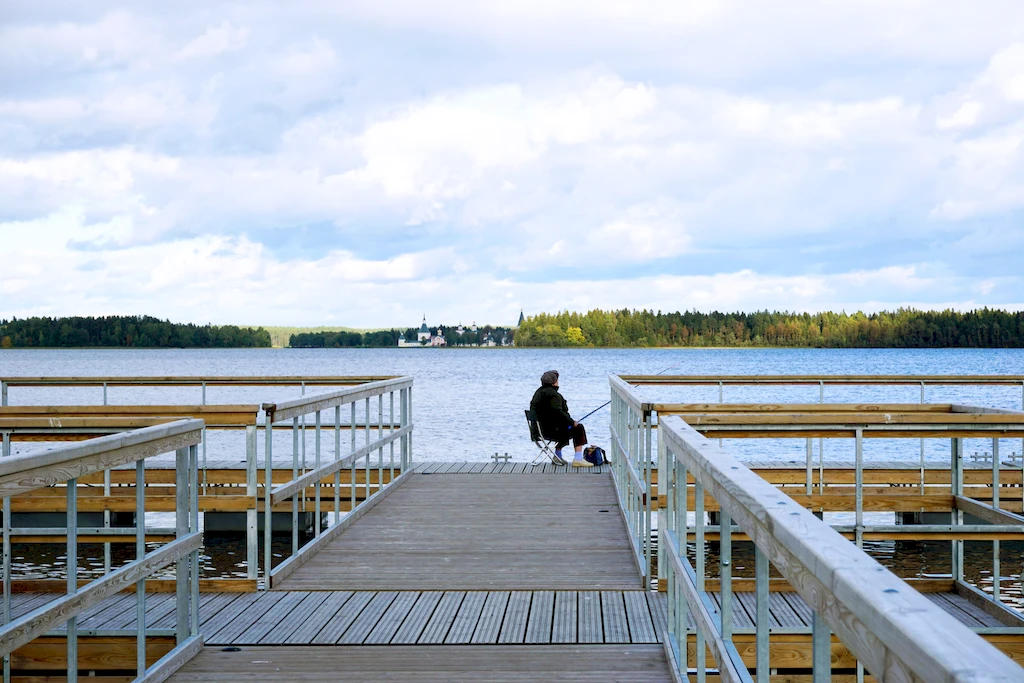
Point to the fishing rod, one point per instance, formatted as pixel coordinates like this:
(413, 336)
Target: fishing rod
(609, 402)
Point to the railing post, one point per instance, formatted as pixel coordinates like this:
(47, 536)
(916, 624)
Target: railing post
(995, 504)
(140, 552)
(5, 452)
(252, 550)
(181, 509)
(193, 506)
(957, 475)
(859, 487)
(700, 570)
(316, 486)
(762, 587)
(295, 475)
(337, 456)
(682, 534)
(821, 649)
(647, 529)
(725, 570)
(268, 527)
(3, 392)
(72, 563)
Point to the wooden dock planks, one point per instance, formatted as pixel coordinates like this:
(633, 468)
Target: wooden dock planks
(481, 532)
(434, 664)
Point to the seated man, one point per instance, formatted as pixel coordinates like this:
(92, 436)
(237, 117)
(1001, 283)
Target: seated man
(555, 422)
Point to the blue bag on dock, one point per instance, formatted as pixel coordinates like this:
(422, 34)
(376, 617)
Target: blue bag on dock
(595, 455)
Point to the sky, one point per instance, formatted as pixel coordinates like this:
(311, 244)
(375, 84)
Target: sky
(366, 163)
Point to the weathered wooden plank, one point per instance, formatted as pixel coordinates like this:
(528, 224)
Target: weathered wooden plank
(417, 620)
(435, 664)
(465, 621)
(658, 603)
(392, 619)
(489, 626)
(513, 630)
(591, 629)
(249, 616)
(563, 629)
(613, 617)
(538, 626)
(343, 618)
(319, 618)
(368, 618)
(294, 618)
(638, 617)
(442, 618)
(266, 622)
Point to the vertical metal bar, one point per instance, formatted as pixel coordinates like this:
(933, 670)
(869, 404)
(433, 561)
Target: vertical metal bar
(668, 486)
(380, 435)
(410, 422)
(957, 473)
(337, 456)
(700, 570)
(72, 569)
(725, 570)
(104, 393)
(391, 421)
(204, 441)
(683, 534)
(5, 451)
(647, 530)
(366, 432)
(402, 421)
(821, 649)
(821, 444)
(252, 551)
(762, 589)
(352, 480)
(193, 504)
(995, 504)
(140, 552)
(922, 445)
(810, 466)
(268, 526)
(859, 487)
(106, 522)
(303, 429)
(3, 392)
(316, 487)
(181, 509)
(295, 475)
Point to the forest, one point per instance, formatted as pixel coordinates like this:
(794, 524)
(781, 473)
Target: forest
(125, 332)
(903, 328)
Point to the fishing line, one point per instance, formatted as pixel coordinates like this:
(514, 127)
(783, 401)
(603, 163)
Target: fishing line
(609, 402)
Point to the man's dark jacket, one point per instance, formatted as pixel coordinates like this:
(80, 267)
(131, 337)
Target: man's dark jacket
(552, 412)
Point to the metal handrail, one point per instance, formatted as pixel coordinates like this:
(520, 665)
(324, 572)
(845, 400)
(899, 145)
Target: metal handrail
(895, 632)
(387, 436)
(24, 473)
(632, 468)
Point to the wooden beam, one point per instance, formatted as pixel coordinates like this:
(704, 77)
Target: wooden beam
(986, 512)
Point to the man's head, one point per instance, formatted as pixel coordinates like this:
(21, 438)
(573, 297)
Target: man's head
(549, 378)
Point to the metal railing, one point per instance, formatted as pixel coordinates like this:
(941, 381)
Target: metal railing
(632, 467)
(25, 473)
(292, 414)
(895, 633)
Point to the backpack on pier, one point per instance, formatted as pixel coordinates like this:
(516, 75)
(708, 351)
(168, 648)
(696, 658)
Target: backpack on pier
(595, 455)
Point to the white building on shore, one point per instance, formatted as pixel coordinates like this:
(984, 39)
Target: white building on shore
(423, 337)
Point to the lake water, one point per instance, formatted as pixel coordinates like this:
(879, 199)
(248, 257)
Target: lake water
(468, 404)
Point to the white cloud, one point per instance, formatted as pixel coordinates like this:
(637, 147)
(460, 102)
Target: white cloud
(215, 41)
(811, 155)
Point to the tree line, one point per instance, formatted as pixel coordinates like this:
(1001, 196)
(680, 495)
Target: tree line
(335, 339)
(903, 328)
(125, 332)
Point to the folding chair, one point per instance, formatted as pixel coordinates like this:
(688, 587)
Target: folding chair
(539, 440)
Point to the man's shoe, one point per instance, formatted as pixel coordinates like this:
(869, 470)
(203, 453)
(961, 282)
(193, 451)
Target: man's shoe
(582, 463)
(557, 460)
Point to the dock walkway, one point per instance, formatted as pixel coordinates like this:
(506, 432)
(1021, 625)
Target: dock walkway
(464, 574)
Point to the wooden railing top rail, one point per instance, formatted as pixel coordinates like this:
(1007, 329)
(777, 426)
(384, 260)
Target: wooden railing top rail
(30, 471)
(123, 417)
(895, 631)
(640, 380)
(305, 405)
(266, 380)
